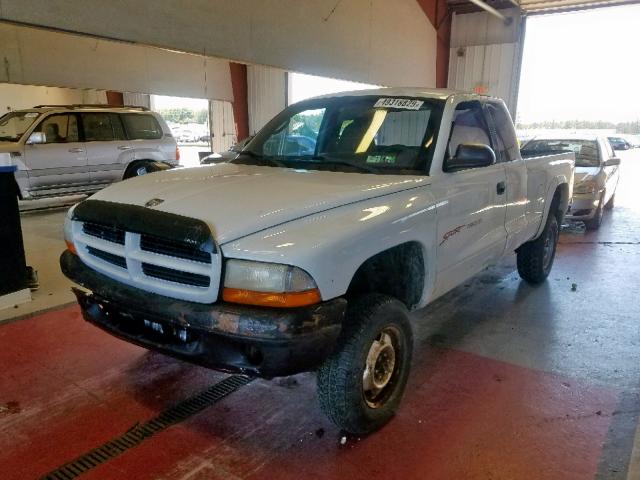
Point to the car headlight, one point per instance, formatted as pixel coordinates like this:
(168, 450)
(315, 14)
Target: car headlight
(68, 236)
(268, 284)
(585, 188)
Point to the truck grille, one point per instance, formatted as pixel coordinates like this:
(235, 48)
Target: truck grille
(116, 260)
(153, 263)
(110, 234)
(171, 248)
(177, 276)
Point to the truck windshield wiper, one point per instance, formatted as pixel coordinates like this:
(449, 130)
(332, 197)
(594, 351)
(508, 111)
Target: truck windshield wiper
(358, 166)
(257, 156)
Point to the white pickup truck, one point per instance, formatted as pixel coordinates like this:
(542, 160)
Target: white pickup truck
(309, 249)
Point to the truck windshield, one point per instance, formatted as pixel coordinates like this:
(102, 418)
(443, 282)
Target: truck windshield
(586, 151)
(367, 134)
(14, 124)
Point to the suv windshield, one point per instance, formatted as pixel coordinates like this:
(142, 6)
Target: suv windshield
(368, 134)
(586, 150)
(14, 124)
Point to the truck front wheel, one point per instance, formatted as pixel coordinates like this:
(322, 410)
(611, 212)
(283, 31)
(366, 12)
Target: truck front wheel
(535, 258)
(596, 221)
(361, 384)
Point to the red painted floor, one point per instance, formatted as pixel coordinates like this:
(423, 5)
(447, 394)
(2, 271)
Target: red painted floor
(67, 387)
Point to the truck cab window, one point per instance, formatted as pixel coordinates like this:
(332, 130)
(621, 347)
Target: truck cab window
(506, 141)
(469, 126)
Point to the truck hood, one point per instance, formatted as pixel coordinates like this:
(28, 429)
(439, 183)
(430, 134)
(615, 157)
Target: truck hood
(238, 200)
(584, 174)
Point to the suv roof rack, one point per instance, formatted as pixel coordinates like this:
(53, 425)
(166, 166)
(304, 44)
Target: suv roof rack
(93, 105)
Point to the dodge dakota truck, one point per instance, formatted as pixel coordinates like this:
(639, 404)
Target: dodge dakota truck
(308, 250)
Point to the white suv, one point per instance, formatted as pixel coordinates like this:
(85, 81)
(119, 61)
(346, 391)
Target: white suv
(69, 149)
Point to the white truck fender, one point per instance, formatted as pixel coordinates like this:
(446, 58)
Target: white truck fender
(554, 183)
(332, 245)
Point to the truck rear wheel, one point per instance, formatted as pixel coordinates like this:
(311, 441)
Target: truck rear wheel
(361, 384)
(535, 258)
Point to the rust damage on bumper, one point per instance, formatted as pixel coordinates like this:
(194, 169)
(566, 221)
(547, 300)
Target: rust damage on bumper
(260, 341)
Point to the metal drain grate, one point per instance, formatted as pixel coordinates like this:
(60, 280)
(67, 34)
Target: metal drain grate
(139, 433)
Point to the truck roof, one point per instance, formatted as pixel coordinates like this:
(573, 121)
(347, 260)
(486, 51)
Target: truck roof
(419, 92)
(100, 107)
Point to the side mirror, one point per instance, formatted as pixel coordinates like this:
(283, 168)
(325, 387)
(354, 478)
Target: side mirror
(470, 155)
(37, 137)
(612, 162)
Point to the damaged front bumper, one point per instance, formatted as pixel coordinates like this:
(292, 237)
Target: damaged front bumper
(265, 342)
(583, 207)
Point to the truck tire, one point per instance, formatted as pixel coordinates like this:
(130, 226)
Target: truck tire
(361, 384)
(596, 221)
(535, 258)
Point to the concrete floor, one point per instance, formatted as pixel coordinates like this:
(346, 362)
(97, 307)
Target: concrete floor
(508, 382)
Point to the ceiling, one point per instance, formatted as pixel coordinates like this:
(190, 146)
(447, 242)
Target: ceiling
(538, 6)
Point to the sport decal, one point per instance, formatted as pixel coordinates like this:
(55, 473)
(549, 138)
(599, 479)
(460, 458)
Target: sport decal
(458, 229)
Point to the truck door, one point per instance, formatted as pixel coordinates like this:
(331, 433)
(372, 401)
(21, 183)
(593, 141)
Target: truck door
(471, 214)
(508, 154)
(62, 160)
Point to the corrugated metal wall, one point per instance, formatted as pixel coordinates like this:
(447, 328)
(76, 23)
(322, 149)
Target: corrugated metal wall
(137, 99)
(72, 61)
(223, 126)
(267, 95)
(486, 55)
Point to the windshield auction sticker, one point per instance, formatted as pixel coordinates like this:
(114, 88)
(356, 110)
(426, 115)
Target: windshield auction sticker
(404, 103)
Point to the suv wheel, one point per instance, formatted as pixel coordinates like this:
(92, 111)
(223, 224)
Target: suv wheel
(137, 169)
(535, 258)
(361, 384)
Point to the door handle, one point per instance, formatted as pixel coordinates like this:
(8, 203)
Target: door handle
(76, 150)
(124, 147)
(501, 187)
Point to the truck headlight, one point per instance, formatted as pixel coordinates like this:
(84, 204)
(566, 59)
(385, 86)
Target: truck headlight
(68, 235)
(268, 284)
(585, 188)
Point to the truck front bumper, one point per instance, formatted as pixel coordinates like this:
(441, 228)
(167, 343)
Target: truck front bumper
(583, 207)
(266, 342)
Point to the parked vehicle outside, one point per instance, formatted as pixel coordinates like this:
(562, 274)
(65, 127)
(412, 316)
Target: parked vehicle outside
(64, 150)
(596, 174)
(632, 140)
(619, 143)
(287, 260)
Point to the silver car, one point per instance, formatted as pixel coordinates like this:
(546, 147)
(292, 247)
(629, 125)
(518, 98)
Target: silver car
(71, 149)
(596, 174)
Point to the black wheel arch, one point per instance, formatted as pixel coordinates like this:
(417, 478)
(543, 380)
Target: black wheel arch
(398, 272)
